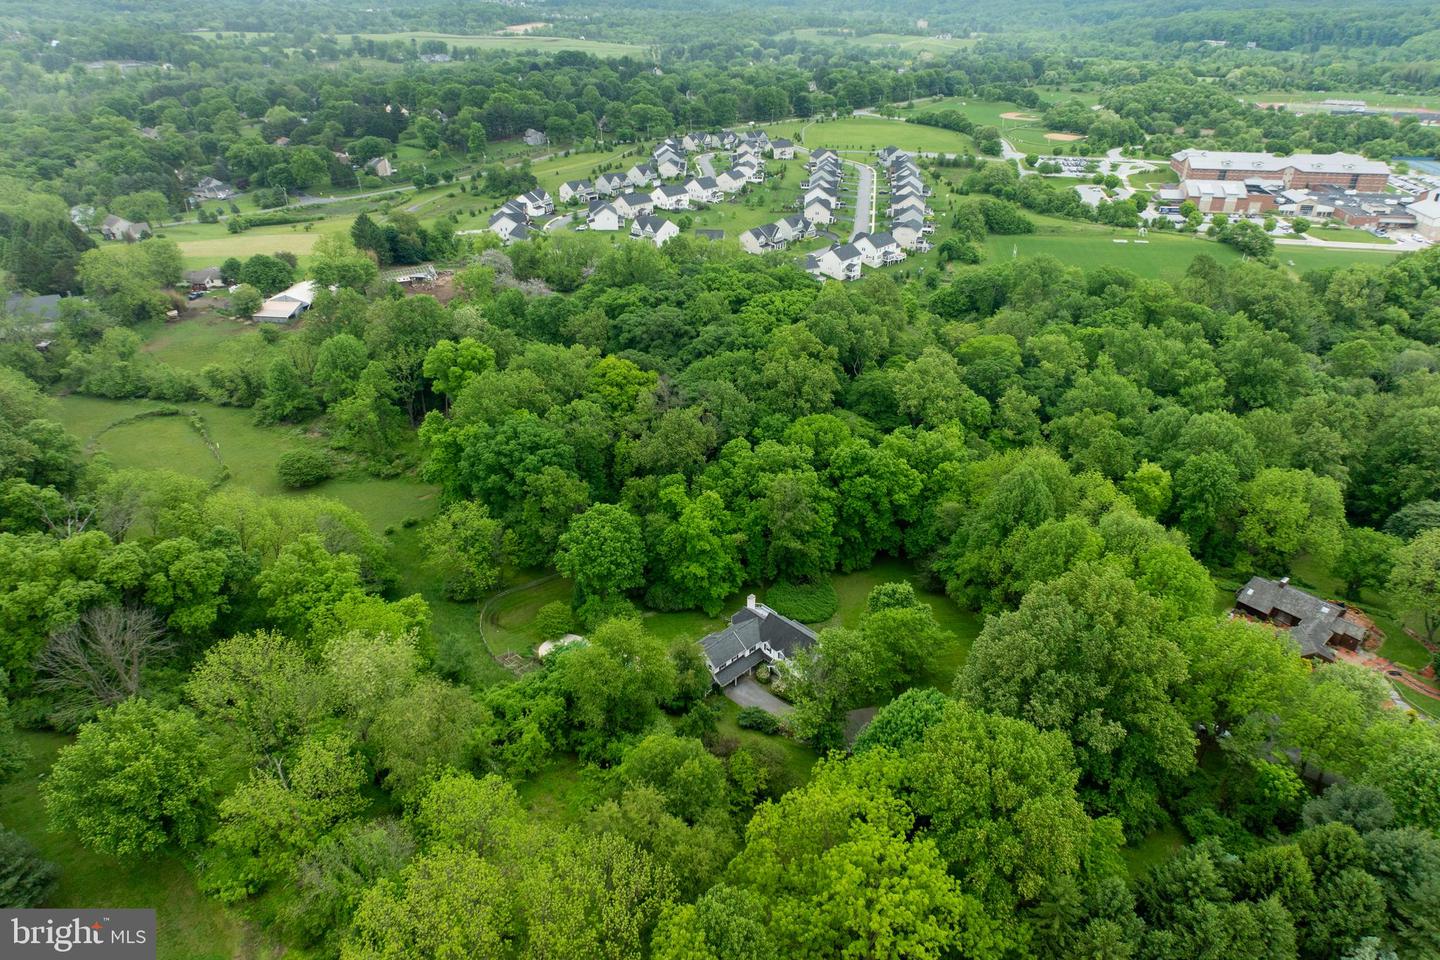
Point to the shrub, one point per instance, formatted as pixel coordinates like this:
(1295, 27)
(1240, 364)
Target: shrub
(597, 610)
(304, 468)
(806, 602)
(554, 620)
(753, 718)
(26, 880)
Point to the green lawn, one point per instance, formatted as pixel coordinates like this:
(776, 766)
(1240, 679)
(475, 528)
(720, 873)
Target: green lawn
(1154, 850)
(196, 341)
(963, 626)
(190, 927)
(509, 625)
(1303, 258)
(868, 134)
(798, 758)
(1426, 705)
(509, 620)
(1348, 235)
(761, 203)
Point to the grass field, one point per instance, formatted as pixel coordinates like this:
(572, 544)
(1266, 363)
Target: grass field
(1301, 258)
(250, 451)
(1348, 235)
(1373, 98)
(208, 245)
(906, 43)
(196, 341)
(1090, 245)
(1026, 135)
(191, 927)
(598, 48)
(868, 134)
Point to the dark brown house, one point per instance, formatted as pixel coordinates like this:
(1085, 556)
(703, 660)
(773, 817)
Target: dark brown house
(1319, 626)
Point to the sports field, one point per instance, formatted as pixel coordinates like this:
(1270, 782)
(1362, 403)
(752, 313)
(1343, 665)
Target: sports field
(1023, 134)
(869, 134)
(1166, 255)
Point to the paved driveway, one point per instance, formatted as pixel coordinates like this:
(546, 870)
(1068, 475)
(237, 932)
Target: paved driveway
(706, 164)
(749, 693)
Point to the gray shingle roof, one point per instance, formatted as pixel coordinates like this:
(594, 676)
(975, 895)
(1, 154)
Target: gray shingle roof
(740, 667)
(782, 634)
(1316, 620)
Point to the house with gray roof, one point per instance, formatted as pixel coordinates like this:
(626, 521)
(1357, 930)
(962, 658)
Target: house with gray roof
(603, 216)
(579, 191)
(756, 635)
(611, 184)
(631, 205)
(118, 228)
(840, 262)
(1317, 625)
(658, 230)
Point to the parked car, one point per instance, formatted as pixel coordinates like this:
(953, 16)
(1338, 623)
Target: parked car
(194, 295)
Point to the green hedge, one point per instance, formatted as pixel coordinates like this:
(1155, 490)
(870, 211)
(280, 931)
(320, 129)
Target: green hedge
(303, 468)
(753, 718)
(806, 602)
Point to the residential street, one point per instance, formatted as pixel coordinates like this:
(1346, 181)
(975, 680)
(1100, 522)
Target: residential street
(706, 164)
(864, 200)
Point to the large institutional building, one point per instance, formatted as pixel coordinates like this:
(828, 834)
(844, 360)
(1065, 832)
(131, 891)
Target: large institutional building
(1302, 170)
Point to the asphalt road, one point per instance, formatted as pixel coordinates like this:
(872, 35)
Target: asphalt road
(706, 164)
(864, 200)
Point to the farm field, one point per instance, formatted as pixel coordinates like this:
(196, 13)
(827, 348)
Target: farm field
(509, 41)
(908, 43)
(208, 244)
(516, 42)
(868, 134)
(1372, 98)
